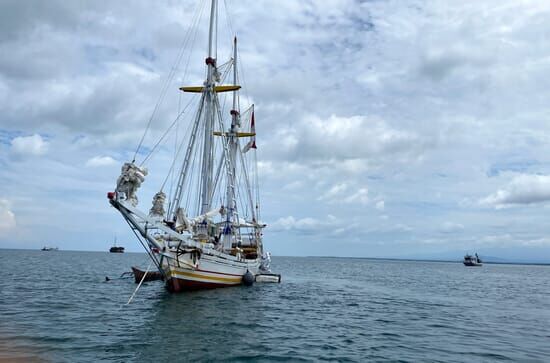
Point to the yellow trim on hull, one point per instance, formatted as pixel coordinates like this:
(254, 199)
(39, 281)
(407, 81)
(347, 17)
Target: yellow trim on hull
(174, 273)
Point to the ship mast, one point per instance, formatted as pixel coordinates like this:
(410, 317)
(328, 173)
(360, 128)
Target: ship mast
(209, 111)
(232, 137)
(210, 114)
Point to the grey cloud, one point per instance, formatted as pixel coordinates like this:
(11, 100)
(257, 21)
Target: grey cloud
(19, 18)
(523, 189)
(346, 138)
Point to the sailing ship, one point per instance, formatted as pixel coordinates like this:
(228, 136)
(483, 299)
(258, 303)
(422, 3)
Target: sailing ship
(115, 248)
(470, 260)
(210, 234)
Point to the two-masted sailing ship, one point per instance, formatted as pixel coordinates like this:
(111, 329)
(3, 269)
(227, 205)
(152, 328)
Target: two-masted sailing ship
(209, 234)
(116, 249)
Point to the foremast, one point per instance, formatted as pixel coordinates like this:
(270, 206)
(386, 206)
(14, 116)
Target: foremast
(206, 113)
(210, 104)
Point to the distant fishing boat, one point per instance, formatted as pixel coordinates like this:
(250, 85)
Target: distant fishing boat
(211, 234)
(116, 249)
(46, 248)
(470, 260)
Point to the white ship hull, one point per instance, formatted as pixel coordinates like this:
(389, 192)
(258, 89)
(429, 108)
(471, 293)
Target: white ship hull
(206, 273)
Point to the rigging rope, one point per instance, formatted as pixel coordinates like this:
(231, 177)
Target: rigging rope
(166, 133)
(196, 19)
(176, 154)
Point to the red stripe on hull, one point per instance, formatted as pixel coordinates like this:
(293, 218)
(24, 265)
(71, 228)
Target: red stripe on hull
(179, 285)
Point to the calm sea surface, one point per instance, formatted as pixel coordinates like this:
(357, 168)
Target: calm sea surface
(56, 306)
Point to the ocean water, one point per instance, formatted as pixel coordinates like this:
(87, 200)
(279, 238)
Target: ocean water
(57, 307)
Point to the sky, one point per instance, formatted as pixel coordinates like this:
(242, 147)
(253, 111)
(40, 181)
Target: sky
(385, 128)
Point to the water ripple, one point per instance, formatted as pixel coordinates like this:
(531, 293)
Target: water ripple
(326, 309)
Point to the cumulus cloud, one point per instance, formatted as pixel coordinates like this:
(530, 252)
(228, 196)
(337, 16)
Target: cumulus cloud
(29, 145)
(344, 193)
(291, 223)
(7, 217)
(307, 225)
(523, 189)
(360, 196)
(98, 161)
(335, 191)
(356, 139)
(380, 205)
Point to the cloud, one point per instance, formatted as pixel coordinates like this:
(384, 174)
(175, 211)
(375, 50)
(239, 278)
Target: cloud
(358, 139)
(360, 197)
(309, 225)
(523, 189)
(439, 63)
(451, 227)
(291, 223)
(380, 205)
(335, 192)
(98, 161)
(7, 217)
(29, 145)
(329, 227)
(343, 193)
(402, 227)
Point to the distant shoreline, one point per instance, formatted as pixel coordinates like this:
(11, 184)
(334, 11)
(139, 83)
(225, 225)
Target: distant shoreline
(354, 257)
(428, 260)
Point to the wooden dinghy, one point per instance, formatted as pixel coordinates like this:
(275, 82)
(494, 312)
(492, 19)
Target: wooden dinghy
(151, 275)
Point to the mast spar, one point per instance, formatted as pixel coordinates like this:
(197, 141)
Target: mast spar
(208, 112)
(231, 172)
(208, 152)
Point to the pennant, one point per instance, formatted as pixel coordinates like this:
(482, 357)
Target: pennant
(252, 143)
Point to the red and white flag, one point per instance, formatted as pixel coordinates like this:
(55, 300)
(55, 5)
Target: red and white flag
(252, 143)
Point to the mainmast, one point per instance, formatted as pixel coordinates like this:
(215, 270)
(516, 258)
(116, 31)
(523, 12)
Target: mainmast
(210, 114)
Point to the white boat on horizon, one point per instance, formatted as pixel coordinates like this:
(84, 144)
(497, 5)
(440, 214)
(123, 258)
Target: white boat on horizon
(210, 235)
(474, 260)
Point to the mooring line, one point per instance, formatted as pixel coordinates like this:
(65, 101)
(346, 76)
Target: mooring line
(138, 286)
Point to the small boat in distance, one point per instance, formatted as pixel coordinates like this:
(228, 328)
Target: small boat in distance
(470, 260)
(46, 248)
(116, 249)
